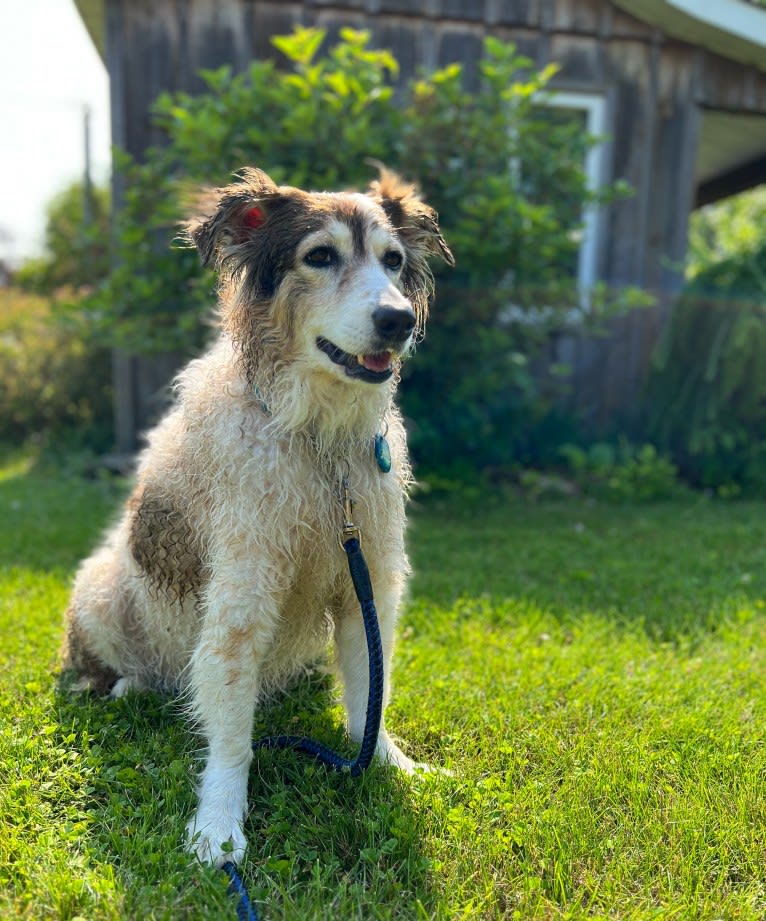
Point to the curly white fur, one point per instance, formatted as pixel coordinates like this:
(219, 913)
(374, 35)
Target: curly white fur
(223, 577)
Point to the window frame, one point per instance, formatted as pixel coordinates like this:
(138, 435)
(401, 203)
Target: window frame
(594, 105)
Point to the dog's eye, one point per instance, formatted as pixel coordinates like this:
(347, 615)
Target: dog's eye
(321, 257)
(393, 259)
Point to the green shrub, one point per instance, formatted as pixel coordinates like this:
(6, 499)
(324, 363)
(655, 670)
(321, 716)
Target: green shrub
(506, 177)
(76, 248)
(54, 380)
(622, 472)
(728, 231)
(706, 397)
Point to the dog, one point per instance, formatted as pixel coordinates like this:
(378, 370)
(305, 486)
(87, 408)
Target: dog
(223, 578)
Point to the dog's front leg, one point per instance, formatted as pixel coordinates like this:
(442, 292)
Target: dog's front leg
(353, 659)
(237, 632)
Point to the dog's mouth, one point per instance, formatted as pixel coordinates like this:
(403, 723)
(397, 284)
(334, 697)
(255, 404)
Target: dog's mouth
(374, 368)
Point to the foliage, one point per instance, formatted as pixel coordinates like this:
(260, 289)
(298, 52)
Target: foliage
(706, 398)
(729, 229)
(506, 177)
(76, 252)
(592, 674)
(53, 376)
(622, 473)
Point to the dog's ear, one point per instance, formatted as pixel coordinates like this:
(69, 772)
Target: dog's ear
(417, 226)
(415, 222)
(228, 217)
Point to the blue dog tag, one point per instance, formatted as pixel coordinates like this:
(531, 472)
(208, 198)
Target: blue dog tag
(382, 453)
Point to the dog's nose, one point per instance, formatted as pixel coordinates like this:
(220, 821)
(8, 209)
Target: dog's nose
(394, 324)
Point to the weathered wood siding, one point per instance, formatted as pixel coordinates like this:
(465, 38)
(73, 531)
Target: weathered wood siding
(655, 88)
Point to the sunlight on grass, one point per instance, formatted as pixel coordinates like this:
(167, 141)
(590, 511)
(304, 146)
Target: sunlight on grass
(18, 465)
(592, 675)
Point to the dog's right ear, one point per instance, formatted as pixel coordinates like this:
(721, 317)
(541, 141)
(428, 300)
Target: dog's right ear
(228, 217)
(416, 223)
(417, 226)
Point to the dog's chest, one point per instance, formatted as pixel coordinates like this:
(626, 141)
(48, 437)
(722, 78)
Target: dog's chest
(319, 585)
(311, 525)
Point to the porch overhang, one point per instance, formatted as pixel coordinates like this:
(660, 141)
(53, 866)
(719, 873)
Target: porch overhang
(735, 29)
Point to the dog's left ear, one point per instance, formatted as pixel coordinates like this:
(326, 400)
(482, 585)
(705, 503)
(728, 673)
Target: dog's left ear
(415, 222)
(417, 226)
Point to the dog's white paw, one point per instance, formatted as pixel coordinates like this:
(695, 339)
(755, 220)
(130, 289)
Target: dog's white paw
(216, 839)
(215, 832)
(123, 686)
(390, 753)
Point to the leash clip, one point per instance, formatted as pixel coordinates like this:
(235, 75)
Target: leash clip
(349, 529)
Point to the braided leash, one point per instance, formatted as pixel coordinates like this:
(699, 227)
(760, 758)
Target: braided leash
(360, 576)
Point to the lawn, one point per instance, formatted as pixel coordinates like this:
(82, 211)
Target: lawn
(593, 675)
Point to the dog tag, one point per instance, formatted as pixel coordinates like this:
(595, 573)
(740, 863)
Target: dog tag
(382, 453)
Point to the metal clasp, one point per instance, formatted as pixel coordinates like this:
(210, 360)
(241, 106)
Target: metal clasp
(349, 529)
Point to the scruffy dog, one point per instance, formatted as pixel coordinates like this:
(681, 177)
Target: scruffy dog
(224, 576)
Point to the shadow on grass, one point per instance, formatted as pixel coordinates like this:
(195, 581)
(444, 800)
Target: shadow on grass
(321, 843)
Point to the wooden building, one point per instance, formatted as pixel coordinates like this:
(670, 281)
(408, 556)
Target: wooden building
(676, 87)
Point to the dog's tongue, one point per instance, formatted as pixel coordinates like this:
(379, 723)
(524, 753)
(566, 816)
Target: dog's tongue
(379, 361)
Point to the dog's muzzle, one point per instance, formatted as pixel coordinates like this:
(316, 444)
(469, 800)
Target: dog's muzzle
(375, 367)
(393, 327)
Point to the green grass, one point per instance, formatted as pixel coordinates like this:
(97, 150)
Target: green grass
(593, 675)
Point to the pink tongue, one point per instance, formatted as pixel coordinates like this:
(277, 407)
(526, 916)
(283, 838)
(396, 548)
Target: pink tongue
(380, 361)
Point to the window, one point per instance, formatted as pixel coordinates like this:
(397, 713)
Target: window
(590, 110)
(585, 114)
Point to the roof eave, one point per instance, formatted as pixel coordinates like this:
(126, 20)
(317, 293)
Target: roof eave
(93, 15)
(733, 29)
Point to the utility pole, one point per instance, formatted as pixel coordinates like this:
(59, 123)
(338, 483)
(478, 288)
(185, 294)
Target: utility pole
(88, 209)
(87, 182)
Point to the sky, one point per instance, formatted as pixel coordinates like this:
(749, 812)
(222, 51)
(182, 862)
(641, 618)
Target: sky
(49, 73)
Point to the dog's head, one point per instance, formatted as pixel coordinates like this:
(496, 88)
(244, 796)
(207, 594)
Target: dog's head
(337, 281)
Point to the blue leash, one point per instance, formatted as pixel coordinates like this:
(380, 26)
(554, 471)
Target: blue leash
(245, 910)
(360, 576)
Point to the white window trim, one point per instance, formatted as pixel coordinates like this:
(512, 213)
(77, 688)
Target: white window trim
(594, 106)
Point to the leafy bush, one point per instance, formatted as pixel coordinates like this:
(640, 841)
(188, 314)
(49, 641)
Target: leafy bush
(53, 377)
(706, 398)
(54, 368)
(76, 251)
(622, 473)
(506, 177)
(729, 229)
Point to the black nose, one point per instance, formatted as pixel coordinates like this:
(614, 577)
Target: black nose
(393, 324)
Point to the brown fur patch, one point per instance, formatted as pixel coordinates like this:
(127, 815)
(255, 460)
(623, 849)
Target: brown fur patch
(236, 640)
(77, 656)
(252, 269)
(163, 543)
